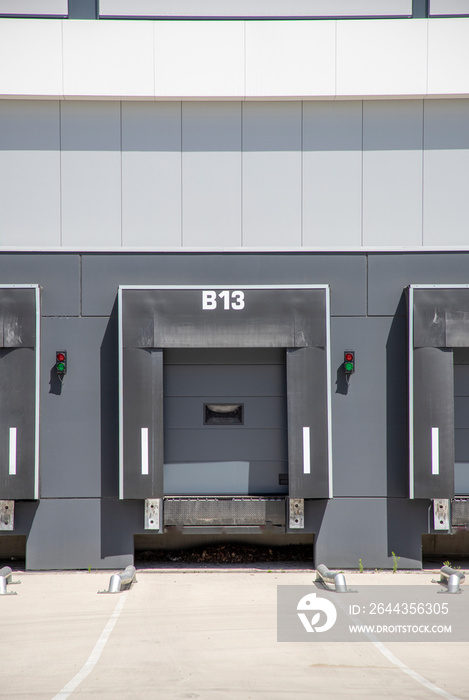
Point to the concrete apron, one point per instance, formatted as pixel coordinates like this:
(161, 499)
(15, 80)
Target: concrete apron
(200, 633)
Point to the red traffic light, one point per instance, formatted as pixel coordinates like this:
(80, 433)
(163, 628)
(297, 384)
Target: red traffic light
(348, 357)
(60, 357)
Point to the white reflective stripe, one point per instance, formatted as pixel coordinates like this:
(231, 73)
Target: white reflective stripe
(12, 457)
(144, 450)
(306, 452)
(435, 450)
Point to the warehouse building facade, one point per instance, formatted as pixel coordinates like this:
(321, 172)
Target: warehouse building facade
(234, 278)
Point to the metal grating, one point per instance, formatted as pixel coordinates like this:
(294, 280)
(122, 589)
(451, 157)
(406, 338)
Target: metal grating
(224, 511)
(460, 511)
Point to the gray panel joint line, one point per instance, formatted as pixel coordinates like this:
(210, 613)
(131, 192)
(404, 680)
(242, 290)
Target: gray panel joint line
(37, 289)
(412, 287)
(125, 287)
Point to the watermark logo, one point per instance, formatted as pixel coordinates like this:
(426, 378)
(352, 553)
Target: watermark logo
(313, 603)
(384, 613)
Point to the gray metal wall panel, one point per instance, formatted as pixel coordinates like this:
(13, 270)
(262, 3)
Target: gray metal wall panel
(390, 273)
(370, 529)
(446, 172)
(81, 533)
(91, 173)
(272, 174)
(392, 172)
(72, 431)
(332, 173)
(143, 408)
(151, 174)
(29, 173)
(211, 174)
(58, 275)
(433, 408)
(369, 415)
(73, 544)
(102, 274)
(307, 408)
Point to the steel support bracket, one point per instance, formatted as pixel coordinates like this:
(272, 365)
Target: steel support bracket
(297, 513)
(441, 514)
(154, 514)
(7, 515)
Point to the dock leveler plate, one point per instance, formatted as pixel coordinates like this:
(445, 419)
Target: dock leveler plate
(155, 319)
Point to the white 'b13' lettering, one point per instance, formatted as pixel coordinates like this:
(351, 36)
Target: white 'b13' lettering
(231, 300)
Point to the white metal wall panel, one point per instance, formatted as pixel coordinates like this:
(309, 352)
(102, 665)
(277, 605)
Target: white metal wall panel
(199, 59)
(233, 60)
(448, 56)
(446, 173)
(211, 174)
(392, 173)
(332, 173)
(382, 58)
(30, 57)
(91, 174)
(272, 174)
(29, 173)
(108, 59)
(151, 174)
(293, 58)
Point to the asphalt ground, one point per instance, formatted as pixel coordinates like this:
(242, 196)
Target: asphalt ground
(205, 632)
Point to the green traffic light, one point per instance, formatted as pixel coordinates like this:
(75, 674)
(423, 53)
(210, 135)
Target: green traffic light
(60, 367)
(349, 366)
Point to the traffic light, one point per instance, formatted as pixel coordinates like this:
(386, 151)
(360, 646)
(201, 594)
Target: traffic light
(349, 363)
(61, 363)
